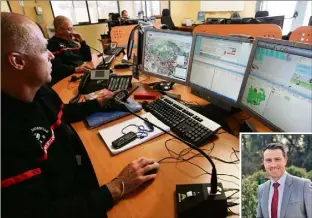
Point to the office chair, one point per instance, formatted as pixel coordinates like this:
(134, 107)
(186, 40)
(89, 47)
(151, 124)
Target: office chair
(166, 19)
(262, 14)
(235, 15)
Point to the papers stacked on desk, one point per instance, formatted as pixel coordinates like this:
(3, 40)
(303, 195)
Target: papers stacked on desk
(110, 134)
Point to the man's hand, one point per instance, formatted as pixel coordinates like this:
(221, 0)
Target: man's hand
(78, 37)
(132, 176)
(103, 99)
(82, 68)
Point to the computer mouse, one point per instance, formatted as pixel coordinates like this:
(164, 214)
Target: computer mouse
(153, 171)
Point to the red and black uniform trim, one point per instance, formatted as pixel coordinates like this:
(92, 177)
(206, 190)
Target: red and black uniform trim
(68, 56)
(57, 186)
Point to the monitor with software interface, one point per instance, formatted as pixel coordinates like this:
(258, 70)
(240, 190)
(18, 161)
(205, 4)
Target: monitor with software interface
(218, 65)
(166, 54)
(277, 88)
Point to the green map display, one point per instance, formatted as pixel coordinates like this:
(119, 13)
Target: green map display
(255, 96)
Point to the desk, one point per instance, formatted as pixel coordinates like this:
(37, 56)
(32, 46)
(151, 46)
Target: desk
(157, 199)
(186, 28)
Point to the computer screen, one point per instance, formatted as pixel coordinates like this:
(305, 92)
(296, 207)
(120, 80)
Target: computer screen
(278, 20)
(218, 65)
(278, 85)
(166, 54)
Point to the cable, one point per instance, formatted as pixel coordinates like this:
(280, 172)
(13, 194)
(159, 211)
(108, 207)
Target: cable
(214, 179)
(75, 99)
(180, 156)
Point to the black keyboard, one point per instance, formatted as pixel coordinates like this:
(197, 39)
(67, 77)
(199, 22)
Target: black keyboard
(116, 51)
(183, 121)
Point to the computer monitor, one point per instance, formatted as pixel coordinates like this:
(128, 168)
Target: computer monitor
(166, 54)
(217, 68)
(278, 20)
(277, 88)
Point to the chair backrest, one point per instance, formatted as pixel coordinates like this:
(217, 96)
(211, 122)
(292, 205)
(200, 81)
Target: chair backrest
(262, 14)
(254, 30)
(120, 34)
(166, 19)
(165, 12)
(302, 34)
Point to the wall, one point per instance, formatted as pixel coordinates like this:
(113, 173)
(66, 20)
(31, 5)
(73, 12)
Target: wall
(43, 20)
(4, 7)
(179, 11)
(189, 9)
(183, 9)
(91, 34)
(249, 11)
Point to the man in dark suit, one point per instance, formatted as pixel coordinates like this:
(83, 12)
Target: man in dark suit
(284, 195)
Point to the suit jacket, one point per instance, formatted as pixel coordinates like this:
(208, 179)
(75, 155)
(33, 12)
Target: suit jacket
(296, 202)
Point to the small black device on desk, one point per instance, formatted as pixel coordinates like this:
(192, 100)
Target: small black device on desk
(123, 140)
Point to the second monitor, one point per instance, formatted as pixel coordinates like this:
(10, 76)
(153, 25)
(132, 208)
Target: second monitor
(218, 65)
(166, 55)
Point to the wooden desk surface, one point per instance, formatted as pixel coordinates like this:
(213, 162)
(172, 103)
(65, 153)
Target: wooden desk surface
(186, 28)
(158, 197)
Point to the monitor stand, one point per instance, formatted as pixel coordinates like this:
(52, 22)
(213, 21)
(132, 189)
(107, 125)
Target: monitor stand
(162, 86)
(216, 111)
(246, 126)
(216, 114)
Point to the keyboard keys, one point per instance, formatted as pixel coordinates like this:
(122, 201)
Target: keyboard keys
(179, 120)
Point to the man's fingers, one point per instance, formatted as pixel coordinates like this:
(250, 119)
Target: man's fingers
(146, 161)
(150, 167)
(148, 177)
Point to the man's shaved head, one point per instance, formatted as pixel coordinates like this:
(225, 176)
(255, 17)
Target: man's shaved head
(16, 34)
(59, 21)
(25, 59)
(63, 28)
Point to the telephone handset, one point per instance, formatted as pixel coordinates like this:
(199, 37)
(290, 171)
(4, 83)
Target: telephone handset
(120, 98)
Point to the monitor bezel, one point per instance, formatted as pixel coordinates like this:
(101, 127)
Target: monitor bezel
(169, 79)
(211, 94)
(269, 124)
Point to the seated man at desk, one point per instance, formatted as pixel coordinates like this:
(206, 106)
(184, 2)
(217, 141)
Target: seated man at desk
(69, 57)
(45, 169)
(124, 15)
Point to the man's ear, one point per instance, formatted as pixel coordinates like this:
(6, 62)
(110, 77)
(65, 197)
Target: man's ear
(17, 60)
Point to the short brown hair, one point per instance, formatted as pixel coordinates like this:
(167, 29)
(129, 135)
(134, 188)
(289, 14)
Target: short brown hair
(275, 146)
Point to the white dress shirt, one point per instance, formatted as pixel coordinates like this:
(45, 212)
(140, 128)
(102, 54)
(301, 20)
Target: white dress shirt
(281, 186)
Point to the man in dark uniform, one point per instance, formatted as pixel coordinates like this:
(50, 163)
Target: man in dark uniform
(70, 50)
(45, 170)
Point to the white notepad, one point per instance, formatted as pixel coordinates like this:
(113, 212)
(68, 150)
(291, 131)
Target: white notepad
(110, 134)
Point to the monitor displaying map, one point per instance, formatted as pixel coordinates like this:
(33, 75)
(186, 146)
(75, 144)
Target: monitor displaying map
(278, 88)
(166, 54)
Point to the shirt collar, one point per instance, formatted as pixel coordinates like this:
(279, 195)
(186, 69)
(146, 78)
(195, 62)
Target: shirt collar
(281, 180)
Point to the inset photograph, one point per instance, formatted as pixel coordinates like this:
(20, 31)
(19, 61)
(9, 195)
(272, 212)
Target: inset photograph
(276, 175)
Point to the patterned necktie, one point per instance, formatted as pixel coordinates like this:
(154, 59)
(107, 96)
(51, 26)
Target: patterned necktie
(274, 204)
